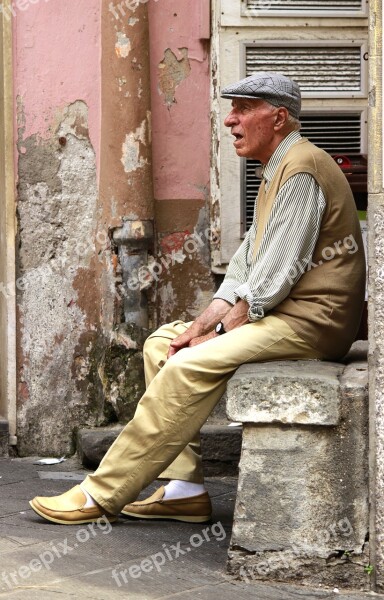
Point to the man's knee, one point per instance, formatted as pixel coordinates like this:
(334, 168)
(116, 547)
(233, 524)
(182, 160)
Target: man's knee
(154, 346)
(150, 346)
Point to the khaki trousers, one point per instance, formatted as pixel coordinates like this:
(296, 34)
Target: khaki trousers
(181, 393)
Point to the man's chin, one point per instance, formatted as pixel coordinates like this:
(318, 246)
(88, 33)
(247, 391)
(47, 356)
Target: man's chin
(242, 152)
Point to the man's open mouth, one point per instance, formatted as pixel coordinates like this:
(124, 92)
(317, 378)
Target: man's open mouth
(238, 136)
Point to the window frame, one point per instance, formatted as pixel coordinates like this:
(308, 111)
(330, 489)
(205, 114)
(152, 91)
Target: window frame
(270, 12)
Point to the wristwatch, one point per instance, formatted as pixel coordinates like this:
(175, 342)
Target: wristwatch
(220, 329)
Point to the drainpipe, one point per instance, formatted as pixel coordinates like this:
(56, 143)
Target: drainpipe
(126, 186)
(133, 240)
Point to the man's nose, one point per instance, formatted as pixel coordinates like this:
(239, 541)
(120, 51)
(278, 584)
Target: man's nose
(231, 119)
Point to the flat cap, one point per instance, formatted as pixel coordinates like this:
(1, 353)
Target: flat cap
(274, 88)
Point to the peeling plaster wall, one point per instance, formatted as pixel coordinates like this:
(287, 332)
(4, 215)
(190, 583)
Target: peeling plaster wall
(57, 92)
(84, 161)
(180, 87)
(181, 118)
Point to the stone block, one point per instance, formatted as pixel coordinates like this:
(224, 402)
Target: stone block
(221, 448)
(220, 445)
(302, 502)
(92, 444)
(301, 392)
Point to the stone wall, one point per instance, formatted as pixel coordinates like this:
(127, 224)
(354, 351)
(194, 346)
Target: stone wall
(301, 510)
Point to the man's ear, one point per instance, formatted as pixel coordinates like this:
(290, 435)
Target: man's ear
(281, 118)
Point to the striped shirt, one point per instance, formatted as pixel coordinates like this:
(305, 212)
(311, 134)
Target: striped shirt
(287, 244)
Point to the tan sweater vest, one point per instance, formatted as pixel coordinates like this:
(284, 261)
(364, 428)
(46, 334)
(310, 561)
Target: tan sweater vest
(324, 307)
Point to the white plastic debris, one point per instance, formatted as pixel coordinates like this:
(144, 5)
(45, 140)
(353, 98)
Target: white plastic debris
(49, 461)
(336, 590)
(235, 424)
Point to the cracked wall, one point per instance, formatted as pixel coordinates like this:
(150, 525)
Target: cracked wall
(57, 93)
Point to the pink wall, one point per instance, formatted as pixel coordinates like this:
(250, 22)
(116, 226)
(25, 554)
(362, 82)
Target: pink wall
(57, 61)
(181, 132)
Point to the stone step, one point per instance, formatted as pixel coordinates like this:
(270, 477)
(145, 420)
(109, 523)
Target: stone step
(4, 437)
(221, 446)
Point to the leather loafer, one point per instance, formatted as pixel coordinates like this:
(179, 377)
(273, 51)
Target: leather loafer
(194, 509)
(68, 508)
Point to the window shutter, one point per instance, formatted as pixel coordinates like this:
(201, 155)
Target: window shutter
(309, 7)
(323, 71)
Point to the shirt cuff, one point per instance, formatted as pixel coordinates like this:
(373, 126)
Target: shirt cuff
(227, 291)
(255, 312)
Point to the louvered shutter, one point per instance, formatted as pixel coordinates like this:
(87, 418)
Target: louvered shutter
(309, 7)
(321, 71)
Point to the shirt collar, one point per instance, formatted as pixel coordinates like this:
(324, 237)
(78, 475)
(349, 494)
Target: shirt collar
(281, 150)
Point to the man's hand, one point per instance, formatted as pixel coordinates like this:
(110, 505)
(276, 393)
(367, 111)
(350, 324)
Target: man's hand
(236, 317)
(203, 326)
(203, 338)
(182, 341)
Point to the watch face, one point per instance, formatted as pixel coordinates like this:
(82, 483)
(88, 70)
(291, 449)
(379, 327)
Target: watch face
(220, 328)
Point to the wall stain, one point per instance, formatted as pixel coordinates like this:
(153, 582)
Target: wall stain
(123, 45)
(172, 71)
(131, 151)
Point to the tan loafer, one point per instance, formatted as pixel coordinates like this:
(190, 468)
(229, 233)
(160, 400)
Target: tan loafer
(195, 509)
(68, 508)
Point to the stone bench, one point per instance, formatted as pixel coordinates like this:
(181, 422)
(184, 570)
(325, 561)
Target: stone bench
(301, 510)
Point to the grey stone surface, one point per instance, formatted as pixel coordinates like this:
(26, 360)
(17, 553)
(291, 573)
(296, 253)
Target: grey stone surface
(92, 444)
(221, 447)
(4, 437)
(358, 352)
(85, 571)
(302, 502)
(376, 287)
(219, 413)
(303, 392)
(57, 336)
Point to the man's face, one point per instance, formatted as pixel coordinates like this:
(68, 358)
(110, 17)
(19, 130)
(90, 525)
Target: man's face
(252, 123)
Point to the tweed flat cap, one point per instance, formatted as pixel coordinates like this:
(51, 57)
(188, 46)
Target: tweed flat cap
(274, 88)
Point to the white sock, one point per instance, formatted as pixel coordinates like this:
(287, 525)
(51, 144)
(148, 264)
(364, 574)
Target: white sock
(90, 501)
(182, 489)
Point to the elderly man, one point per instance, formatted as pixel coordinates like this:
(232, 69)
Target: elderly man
(293, 290)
